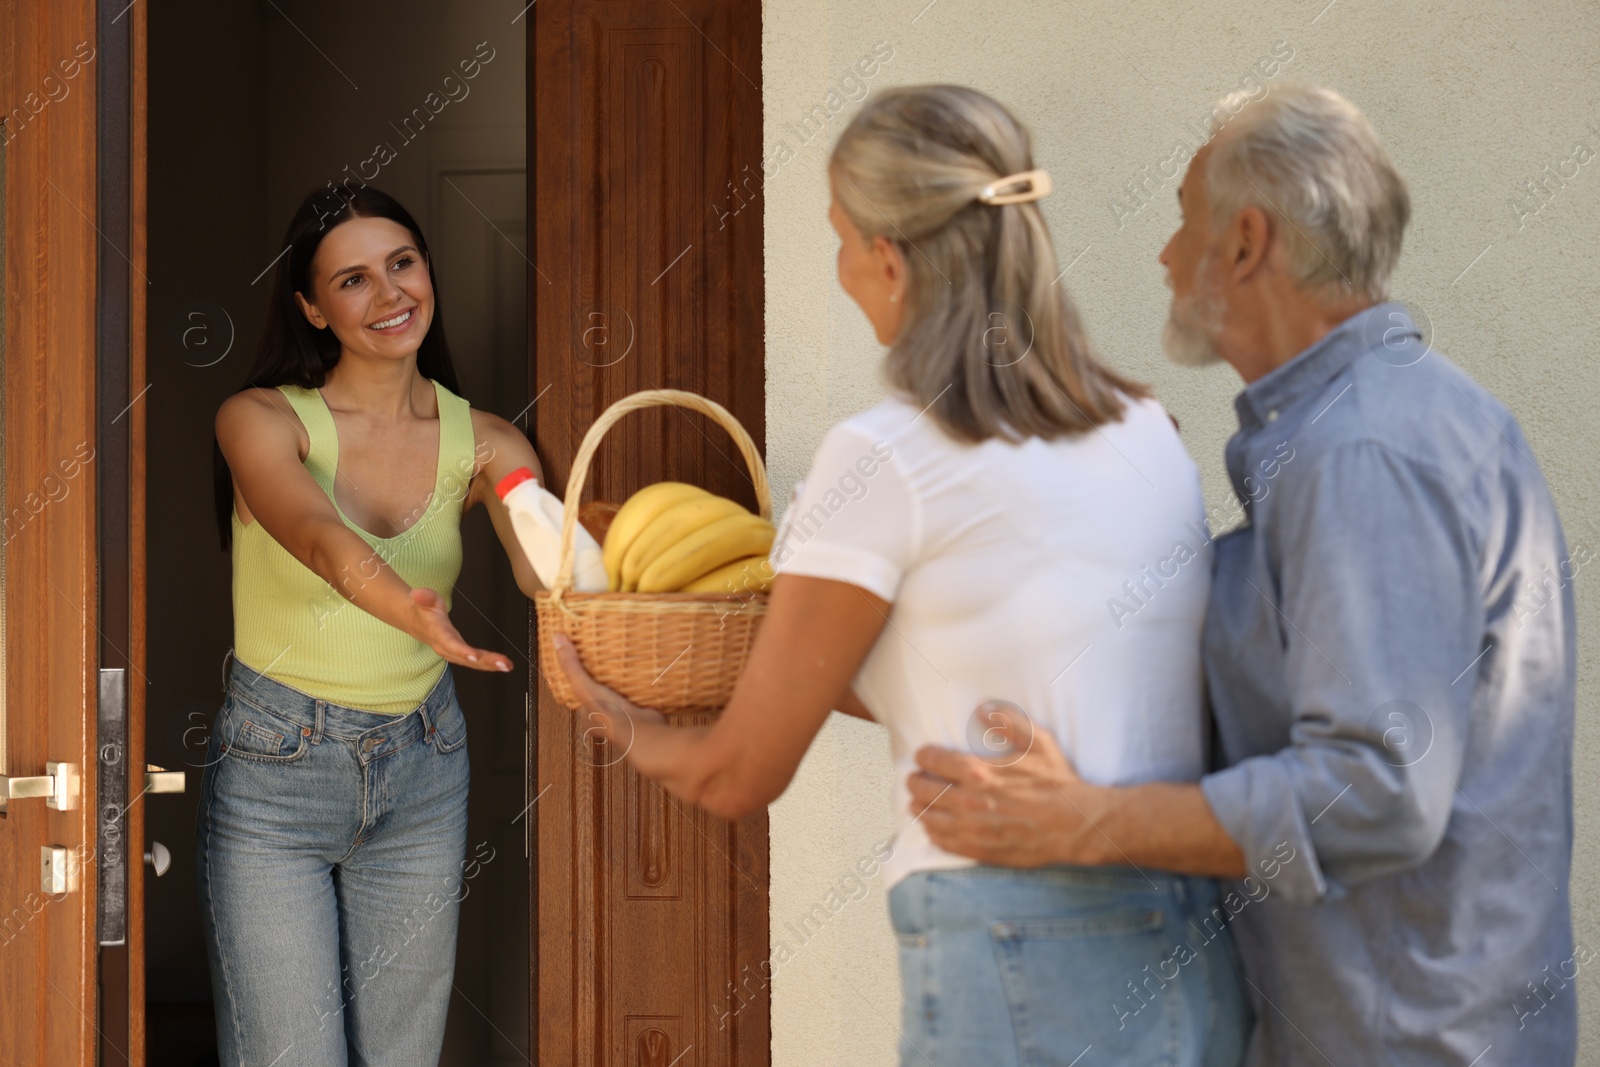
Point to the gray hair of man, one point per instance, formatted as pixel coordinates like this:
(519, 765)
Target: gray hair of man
(1308, 156)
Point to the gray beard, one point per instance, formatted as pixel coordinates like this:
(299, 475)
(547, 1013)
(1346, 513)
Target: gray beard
(1185, 345)
(1193, 322)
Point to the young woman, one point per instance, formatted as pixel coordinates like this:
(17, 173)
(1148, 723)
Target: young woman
(331, 835)
(1007, 524)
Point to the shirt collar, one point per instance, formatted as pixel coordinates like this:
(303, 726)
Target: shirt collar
(1263, 399)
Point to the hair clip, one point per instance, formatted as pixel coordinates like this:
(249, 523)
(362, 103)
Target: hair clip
(1036, 184)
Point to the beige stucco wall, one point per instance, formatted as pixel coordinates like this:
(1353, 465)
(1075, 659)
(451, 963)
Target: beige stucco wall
(1472, 100)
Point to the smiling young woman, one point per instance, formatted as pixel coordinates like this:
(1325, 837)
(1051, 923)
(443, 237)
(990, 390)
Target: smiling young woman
(331, 834)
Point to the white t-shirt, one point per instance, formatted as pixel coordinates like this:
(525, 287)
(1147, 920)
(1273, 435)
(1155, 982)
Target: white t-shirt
(1069, 577)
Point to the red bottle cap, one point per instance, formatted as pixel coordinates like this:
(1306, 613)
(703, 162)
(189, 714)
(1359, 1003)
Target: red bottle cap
(512, 480)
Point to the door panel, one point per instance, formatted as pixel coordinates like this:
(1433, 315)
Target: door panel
(50, 601)
(651, 917)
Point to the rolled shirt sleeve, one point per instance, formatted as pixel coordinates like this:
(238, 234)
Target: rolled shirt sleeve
(1380, 614)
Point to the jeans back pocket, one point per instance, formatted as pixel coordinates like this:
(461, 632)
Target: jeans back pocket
(1091, 980)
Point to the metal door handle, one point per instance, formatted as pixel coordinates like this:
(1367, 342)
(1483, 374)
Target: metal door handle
(22, 788)
(158, 857)
(58, 785)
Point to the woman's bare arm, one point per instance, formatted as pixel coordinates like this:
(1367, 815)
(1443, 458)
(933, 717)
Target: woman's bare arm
(815, 636)
(260, 438)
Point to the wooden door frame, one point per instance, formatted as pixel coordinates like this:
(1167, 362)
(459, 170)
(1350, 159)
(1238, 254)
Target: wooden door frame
(596, 236)
(56, 334)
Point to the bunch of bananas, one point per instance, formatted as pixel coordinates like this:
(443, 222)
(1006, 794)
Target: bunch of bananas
(672, 537)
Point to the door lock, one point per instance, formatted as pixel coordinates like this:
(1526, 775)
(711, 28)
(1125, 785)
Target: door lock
(58, 785)
(58, 870)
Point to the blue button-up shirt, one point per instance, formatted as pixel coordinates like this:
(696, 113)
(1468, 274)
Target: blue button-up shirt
(1390, 654)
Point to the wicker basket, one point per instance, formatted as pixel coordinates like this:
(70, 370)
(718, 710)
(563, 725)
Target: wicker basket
(675, 652)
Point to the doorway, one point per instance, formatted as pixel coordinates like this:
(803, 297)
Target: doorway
(251, 107)
(647, 115)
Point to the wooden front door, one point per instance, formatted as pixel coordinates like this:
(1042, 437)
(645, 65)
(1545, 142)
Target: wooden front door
(71, 576)
(645, 208)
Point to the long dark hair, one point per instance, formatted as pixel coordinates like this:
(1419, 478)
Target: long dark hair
(292, 351)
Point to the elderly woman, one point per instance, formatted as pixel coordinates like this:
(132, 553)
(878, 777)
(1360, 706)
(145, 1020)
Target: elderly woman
(968, 538)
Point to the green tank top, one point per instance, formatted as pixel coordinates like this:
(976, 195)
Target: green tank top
(292, 626)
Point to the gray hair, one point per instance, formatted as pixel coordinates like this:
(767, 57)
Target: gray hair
(981, 278)
(1310, 157)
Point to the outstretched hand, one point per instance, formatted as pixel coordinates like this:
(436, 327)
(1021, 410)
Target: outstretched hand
(434, 627)
(1025, 806)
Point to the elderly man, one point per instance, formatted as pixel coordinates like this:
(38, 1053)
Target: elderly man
(1389, 647)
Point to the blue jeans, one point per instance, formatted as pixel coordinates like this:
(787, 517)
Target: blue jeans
(330, 856)
(1034, 968)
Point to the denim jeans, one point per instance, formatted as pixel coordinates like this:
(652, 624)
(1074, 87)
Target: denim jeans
(330, 856)
(1034, 968)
